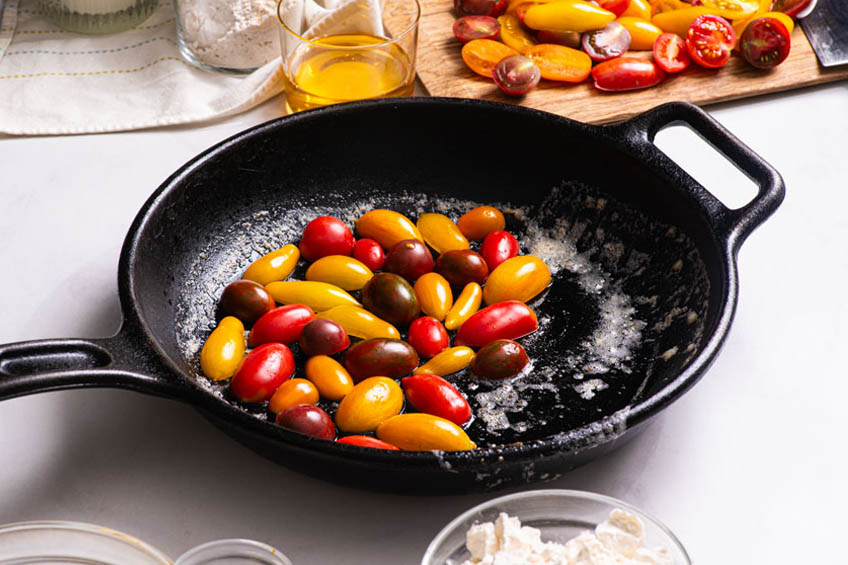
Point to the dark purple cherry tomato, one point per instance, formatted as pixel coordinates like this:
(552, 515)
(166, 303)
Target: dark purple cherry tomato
(609, 42)
(498, 247)
(462, 266)
(428, 336)
(500, 359)
(492, 8)
(516, 75)
(765, 43)
(280, 325)
(467, 28)
(567, 38)
(380, 356)
(246, 300)
(791, 7)
(323, 337)
(369, 253)
(309, 420)
(261, 372)
(626, 73)
(434, 395)
(391, 298)
(410, 259)
(324, 236)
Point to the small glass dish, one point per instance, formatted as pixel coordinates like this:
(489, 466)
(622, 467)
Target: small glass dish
(560, 515)
(97, 16)
(76, 543)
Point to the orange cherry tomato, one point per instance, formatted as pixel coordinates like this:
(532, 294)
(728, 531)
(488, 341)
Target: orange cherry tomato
(292, 393)
(638, 9)
(561, 63)
(481, 221)
(481, 56)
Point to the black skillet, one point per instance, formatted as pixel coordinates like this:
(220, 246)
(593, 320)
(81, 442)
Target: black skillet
(649, 230)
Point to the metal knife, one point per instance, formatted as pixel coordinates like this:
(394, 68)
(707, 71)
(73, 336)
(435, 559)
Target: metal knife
(827, 29)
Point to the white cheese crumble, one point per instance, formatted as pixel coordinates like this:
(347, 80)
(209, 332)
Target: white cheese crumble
(620, 540)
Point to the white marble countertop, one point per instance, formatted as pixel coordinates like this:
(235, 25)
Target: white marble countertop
(748, 467)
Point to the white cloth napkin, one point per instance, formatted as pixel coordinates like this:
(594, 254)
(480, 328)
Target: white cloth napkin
(57, 82)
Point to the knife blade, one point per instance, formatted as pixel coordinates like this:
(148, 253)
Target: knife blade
(827, 29)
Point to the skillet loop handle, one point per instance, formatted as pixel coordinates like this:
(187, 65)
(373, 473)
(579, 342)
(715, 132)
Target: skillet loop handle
(54, 364)
(739, 223)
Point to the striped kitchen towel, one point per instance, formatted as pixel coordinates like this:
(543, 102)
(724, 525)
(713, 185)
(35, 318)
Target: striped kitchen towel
(57, 82)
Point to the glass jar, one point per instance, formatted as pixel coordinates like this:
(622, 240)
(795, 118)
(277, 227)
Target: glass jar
(97, 16)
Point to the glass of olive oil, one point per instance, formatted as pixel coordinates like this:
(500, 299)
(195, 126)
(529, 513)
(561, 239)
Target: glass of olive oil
(347, 50)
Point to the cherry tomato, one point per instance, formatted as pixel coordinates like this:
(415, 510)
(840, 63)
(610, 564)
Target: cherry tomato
(410, 259)
(561, 63)
(638, 9)
(309, 420)
(514, 34)
(261, 372)
(369, 253)
(791, 7)
(617, 7)
(481, 56)
(516, 75)
(324, 236)
(498, 247)
(504, 320)
(380, 357)
(493, 8)
(627, 73)
(323, 337)
(281, 325)
(765, 43)
(462, 266)
(479, 222)
(612, 40)
(434, 395)
(391, 298)
(292, 393)
(428, 336)
(643, 33)
(566, 38)
(467, 28)
(670, 53)
(709, 40)
(500, 359)
(246, 300)
(367, 441)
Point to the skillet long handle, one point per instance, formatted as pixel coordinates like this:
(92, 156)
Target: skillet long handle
(737, 224)
(53, 364)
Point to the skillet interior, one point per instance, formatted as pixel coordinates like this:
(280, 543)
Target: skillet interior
(633, 222)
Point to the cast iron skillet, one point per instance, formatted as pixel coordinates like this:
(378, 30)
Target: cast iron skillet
(651, 231)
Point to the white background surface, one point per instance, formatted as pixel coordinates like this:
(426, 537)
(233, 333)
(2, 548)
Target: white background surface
(748, 467)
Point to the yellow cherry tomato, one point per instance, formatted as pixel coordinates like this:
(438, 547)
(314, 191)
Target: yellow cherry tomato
(448, 362)
(638, 9)
(481, 221)
(465, 306)
(643, 33)
(387, 227)
(520, 278)
(329, 376)
(274, 266)
(440, 233)
(514, 34)
(371, 402)
(319, 296)
(424, 432)
(678, 21)
(359, 322)
(567, 15)
(344, 272)
(434, 295)
(223, 350)
(292, 393)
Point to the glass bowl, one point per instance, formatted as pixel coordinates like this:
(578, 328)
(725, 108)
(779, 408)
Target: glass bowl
(560, 515)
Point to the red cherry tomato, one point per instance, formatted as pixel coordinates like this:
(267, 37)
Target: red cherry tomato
(283, 324)
(627, 73)
(261, 372)
(324, 236)
(467, 28)
(709, 40)
(670, 53)
(505, 320)
(323, 337)
(617, 7)
(765, 43)
(309, 420)
(498, 247)
(434, 395)
(369, 253)
(428, 336)
(367, 441)
(516, 75)
(791, 7)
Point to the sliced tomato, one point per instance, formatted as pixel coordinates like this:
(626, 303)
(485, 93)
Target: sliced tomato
(670, 53)
(627, 73)
(709, 40)
(617, 7)
(467, 28)
(765, 43)
(560, 63)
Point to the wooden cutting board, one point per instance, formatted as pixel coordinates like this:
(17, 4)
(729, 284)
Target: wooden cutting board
(443, 73)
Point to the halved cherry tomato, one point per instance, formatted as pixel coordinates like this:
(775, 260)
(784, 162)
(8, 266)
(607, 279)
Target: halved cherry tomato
(791, 7)
(481, 56)
(561, 63)
(493, 8)
(434, 395)
(710, 40)
(611, 41)
(428, 336)
(467, 28)
(261, 372)
(324, 236)
(617, 7)
(627, 73)
(514, 34)
(516, 75)
(765, 43)
(670, 53)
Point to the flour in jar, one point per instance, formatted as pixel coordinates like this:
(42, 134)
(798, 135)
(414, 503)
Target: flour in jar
(235, 34)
